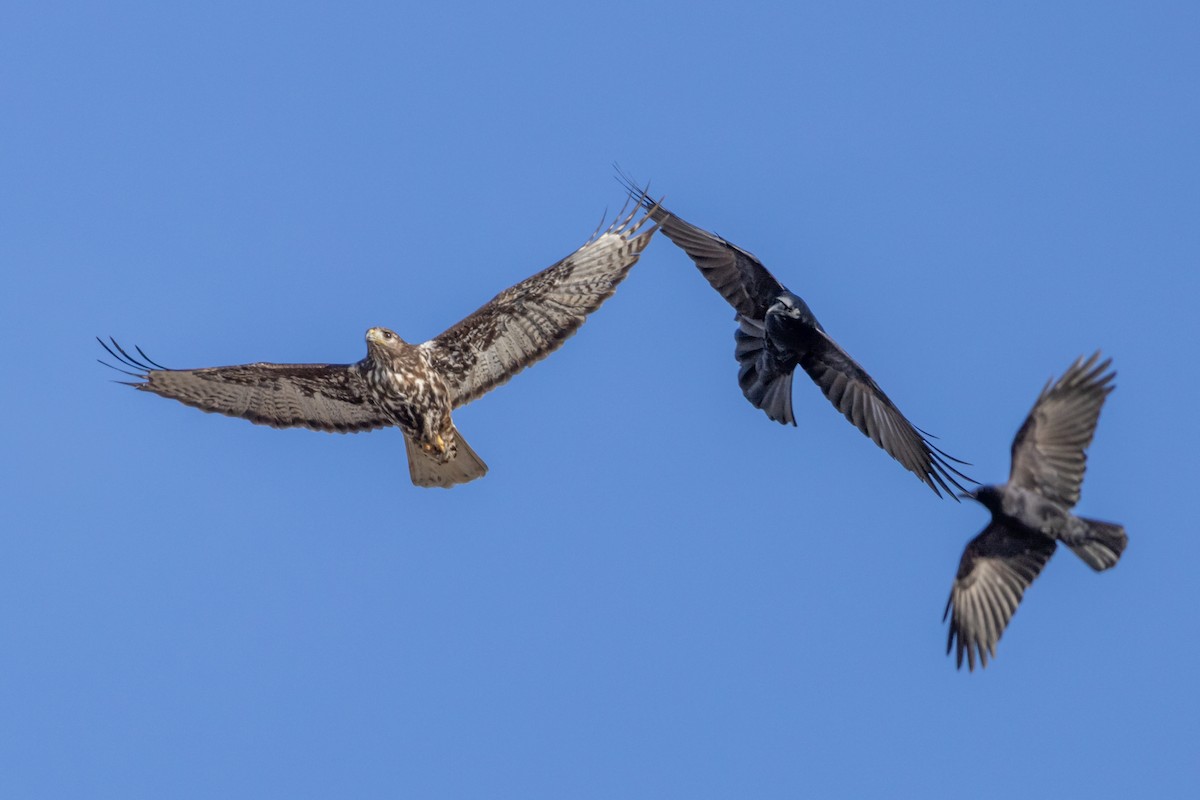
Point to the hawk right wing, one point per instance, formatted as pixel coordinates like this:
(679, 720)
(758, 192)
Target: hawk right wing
(530, 320)
(320, 397)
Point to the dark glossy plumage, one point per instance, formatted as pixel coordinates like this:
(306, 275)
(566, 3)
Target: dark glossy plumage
(776, 332)
(1032, 513)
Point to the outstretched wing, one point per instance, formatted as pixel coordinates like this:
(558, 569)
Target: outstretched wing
(996, 568)
(737, 275)
(321, 397)
(528, 321)
(1048, 452)
(863, 403)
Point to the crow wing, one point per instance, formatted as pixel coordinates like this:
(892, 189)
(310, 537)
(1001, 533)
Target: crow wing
(1048, 452)
(996, 568)
(737, 275)
(852, 392)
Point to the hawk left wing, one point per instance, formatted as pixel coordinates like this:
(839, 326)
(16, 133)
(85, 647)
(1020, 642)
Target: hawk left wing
(320, 397)
(528, 321)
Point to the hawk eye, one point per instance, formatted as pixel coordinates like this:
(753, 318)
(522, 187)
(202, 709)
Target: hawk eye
(387, 334)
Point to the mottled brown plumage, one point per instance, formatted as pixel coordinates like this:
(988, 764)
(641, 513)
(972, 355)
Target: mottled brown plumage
(415, 387)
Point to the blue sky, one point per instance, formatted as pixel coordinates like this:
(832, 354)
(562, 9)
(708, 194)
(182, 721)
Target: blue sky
(656, 592)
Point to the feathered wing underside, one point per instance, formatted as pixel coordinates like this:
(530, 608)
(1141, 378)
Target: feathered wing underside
(1048, 453)
(737, 275)
(996, 568)
(863, 403)
(321, 397)
(525, 323)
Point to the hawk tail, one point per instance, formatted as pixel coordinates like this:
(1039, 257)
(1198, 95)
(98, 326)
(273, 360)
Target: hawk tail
(1099, 544)
(763, 383)
(428, 471)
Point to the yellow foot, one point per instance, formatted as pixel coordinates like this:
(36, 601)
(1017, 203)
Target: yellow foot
(438, 445)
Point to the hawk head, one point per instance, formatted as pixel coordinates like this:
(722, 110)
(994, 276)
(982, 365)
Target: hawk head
(384, 338)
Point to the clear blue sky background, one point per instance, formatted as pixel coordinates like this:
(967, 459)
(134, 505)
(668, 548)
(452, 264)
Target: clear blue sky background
(656, 592)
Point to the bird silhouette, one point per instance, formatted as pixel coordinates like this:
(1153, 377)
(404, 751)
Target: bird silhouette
(1032, 513)
(777, 331)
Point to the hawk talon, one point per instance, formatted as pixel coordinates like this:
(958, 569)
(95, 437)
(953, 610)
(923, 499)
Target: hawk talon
(438, 445)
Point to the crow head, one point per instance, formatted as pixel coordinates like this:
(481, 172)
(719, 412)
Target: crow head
(989, 496)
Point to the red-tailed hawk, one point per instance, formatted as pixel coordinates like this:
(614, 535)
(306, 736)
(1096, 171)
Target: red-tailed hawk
(415, 387)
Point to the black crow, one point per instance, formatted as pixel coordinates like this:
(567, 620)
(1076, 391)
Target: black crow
(1032, 512)
(777, 331)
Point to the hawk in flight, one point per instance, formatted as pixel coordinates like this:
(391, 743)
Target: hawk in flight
(416, 386)
(1032, 513)
(778, 332)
